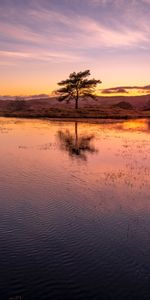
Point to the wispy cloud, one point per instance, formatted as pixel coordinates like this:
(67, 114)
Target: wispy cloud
(76, 34)
(39, 56)
(126, 89)
(51, 27)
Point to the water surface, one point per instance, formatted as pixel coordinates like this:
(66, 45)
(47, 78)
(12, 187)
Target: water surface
(74, 210)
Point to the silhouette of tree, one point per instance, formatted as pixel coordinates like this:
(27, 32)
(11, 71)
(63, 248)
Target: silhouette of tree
(76, 86)
(75, 145)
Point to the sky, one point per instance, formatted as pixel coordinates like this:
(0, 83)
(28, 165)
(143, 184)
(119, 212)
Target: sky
(43, 41)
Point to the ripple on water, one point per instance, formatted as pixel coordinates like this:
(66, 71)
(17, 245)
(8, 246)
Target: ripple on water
(74, 228)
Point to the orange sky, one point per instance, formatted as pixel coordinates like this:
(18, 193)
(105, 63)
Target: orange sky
(41, 43)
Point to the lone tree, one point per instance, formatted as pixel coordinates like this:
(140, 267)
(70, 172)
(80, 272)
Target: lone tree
(76, 86)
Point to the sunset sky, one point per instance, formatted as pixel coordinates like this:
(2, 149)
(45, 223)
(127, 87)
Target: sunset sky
(42, 41)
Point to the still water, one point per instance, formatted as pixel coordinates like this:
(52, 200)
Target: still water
(74, 210)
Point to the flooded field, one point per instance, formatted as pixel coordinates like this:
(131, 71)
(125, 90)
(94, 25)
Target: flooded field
(74, 210)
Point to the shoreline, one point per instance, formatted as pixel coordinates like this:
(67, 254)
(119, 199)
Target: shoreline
(115, 108)
(100, 119)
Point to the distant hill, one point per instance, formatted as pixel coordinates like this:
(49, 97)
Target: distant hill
(30, 97)
(102, 106)
(137, 102)
(123, 105)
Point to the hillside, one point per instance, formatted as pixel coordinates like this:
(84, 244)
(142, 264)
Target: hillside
(116, 107)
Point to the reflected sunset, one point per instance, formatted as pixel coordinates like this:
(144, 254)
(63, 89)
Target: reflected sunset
(73, 191)
(74, 150)
(118, 158)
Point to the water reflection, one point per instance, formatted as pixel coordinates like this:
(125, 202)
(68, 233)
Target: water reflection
(77, 145)
(140, 125)
(74, 230)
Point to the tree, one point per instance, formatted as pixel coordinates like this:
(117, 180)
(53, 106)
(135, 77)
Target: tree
(76, 145)
(76, 86)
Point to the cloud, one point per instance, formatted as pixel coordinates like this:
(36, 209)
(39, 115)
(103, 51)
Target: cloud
(125, 89)
(95, 34)
(45, 25)
(38, 56)
(119, 90)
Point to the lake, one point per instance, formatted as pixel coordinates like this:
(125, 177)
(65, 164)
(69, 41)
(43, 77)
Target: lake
(74, 210)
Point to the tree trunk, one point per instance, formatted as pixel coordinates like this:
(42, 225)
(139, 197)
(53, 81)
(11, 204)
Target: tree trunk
(76, 134)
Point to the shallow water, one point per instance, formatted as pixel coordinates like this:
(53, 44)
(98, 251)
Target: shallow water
(74, 210)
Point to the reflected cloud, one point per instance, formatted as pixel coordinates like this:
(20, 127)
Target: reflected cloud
(75, 144)
(142, 125)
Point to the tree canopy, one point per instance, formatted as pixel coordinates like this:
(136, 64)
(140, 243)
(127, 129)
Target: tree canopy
(76, 86)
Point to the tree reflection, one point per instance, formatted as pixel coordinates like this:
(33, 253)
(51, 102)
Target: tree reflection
(76, 145)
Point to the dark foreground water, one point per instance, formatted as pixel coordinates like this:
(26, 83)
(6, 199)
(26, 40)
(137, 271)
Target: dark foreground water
(74, 210)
